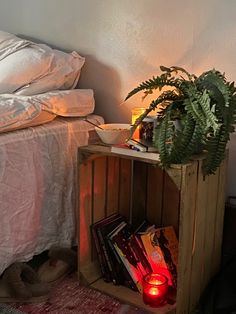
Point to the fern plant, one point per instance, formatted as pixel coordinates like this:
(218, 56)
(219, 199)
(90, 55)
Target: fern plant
(206, 107)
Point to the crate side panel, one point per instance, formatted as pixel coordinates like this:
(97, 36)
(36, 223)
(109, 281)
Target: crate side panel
(99, 188)
(197, 267)
(112, 185)
(212, 190)
(220, 215)
(85, 213)
(124, 186)
(186, 227)
(138, 210)
(154, 194)
(171, 201)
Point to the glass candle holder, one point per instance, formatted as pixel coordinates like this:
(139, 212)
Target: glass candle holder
(155, 288)
(136, 112)
(147, 127)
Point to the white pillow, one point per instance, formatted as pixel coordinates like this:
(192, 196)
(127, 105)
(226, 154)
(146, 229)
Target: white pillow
(27, 68)
(9, 43)
(22, 67)
(63, 74)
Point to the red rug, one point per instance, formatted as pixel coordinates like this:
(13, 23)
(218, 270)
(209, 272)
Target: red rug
(69, 297)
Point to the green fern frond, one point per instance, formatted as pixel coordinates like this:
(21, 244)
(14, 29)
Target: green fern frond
(187, 141)
(163, 139)
(176, 69)
(215, 147)
(155, 83)
(199, 106)
(165, 98)
(216, 78)
(207, 107)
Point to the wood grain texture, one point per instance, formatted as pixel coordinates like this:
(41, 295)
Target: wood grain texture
(131, 297)
(197, 263)
(155, 177)
(99, 188)
(186, 227)
(138, 209)
(171, 200)
(220, 210)
(85, 213)
(113, 168)
(125, 187)
(209, 230)
(180, 197)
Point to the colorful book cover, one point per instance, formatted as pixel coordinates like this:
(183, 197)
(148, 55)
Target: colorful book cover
(161, 246)
(127, 256)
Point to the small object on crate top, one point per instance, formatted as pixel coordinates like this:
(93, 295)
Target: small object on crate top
(125, 149)
(114, 133)
(141, 145)
(147, 127)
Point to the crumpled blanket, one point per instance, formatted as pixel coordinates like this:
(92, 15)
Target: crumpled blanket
(17, 111)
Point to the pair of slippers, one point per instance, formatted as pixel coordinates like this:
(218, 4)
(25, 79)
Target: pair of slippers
(61, 262)
(21, 283)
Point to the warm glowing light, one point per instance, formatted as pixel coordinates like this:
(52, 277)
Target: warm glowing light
(155, 288)
(153, 291)
(136, 112)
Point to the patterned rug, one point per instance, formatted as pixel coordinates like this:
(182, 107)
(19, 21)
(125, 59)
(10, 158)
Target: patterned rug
(68, 297)
(6, 309)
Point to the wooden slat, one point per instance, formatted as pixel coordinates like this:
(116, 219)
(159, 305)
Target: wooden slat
(186, 227)
(112, 185)
(154, 194)
(212, 190)
(130, 297)
(85, 213)
(221, 193)
(124, 187)
(139, 193)
(171, 202)
(99, 188)
(99, 174)
(197, 266)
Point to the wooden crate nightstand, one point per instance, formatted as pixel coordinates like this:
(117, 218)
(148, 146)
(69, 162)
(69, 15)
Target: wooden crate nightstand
(109, 182)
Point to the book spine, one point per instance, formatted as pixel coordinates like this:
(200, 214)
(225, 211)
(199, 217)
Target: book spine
(98, 250)
(128, 266)
(108, 274)
(129, 282)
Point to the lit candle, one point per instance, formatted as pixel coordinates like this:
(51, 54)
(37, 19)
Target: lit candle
(136, 112)
(155, 288)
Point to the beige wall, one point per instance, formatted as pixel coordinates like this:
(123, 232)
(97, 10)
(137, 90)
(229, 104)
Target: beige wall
(125, 41)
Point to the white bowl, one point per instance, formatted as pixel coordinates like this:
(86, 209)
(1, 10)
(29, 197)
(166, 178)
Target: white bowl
(114, 133)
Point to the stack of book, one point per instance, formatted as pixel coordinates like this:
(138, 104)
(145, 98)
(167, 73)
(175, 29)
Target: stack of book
(137, 148)
(126, 255)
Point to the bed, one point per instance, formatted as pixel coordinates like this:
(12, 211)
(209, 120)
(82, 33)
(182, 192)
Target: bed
(37, 186)
(42, 123)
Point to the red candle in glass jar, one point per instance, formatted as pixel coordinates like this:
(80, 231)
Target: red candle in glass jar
(155, 287)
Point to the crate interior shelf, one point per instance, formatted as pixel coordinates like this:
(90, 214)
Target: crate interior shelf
(138, 188)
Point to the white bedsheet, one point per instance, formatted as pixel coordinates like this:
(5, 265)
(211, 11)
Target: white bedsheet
(37, 187)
